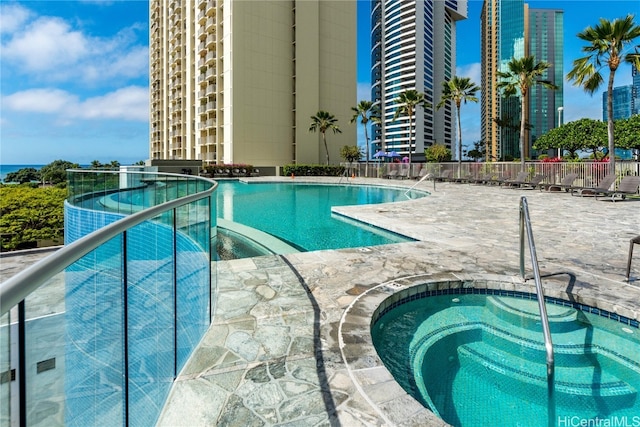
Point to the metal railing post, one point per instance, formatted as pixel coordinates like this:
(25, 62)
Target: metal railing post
(525, 223)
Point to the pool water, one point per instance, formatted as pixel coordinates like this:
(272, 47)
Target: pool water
(479, 360)
(300, 214)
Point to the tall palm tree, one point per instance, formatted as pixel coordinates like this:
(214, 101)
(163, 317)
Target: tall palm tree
(407, 102)
(523, 74)
(322, 122)
(606, 43)
(366, 111)
(457, 90)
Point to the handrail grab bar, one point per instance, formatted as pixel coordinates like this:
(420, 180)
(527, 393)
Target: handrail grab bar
(525, 223)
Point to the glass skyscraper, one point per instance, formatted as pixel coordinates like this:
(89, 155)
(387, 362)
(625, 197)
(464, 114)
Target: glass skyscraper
(545, 29)
(413, 47)
(509, 29)
(626, 99)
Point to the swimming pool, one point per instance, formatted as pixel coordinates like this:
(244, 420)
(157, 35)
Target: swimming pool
(253, 216)
(476, 357)
(300, 214)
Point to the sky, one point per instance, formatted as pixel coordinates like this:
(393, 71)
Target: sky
(74, 81)
(74, 75)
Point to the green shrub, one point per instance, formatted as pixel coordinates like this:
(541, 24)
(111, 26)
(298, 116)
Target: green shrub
(313, 170)
(228, 170)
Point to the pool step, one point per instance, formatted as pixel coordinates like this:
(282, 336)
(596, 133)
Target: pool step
(526, 314)
(504, 368)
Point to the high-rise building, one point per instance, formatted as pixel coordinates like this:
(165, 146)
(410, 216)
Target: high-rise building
(626, 99)
(413, 47)
(237, 81)
(544, 34)
(511, 30)
(635, 75)
(622, 103)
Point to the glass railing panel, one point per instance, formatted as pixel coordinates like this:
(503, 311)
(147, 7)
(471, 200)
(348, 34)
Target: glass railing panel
(95, 341)
(150, 308)
(45, 323)
(95, 345)
(193, 269)
(5, 371)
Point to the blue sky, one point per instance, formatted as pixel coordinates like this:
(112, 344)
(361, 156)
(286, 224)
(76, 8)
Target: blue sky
(74, 75)
(74, 81)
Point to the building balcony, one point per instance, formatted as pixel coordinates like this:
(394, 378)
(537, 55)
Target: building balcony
(211, 41)
(211, 24)
(210, 58)
(211, 7)
(202, 17)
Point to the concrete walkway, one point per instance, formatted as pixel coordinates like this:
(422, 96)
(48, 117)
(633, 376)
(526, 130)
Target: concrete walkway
(290, 342)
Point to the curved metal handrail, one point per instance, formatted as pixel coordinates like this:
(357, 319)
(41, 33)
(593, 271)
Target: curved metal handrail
(525, 223)
(18, 287)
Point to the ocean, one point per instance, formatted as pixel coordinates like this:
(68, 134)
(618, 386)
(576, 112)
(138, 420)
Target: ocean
(5, 169)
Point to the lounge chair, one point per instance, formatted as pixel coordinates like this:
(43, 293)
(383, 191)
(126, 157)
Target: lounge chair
(462, 179)
(521, 178)
(498, 180)
(392, 174)
(403, 173)
(532, 184)
(565, 184)
(627, 187)
(423, 172)
(602, 187)
(481, 179)
(444, 176)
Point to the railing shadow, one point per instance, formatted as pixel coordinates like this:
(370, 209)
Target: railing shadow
(325, 389)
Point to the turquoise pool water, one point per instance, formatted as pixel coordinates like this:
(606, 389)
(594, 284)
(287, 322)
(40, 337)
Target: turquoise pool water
(300, 214)
(479, 360)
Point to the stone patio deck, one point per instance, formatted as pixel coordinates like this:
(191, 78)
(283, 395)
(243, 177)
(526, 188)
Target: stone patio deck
(290, 346)
(288, 349)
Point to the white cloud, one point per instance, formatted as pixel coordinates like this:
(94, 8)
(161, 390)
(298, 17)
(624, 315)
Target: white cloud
(50, 49)
(129, 103)
(46, 44)
(12, 17)
(470, 70)
(49, 101)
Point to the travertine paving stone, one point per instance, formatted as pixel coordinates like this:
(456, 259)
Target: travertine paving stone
(287, 348)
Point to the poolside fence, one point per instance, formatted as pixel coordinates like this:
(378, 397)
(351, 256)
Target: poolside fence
(589, 173)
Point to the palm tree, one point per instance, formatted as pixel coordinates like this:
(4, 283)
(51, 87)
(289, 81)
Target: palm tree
(322, 122)
(523, 74)
(365, 110)
(458, 89)
(407, 102)
(606, 45)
